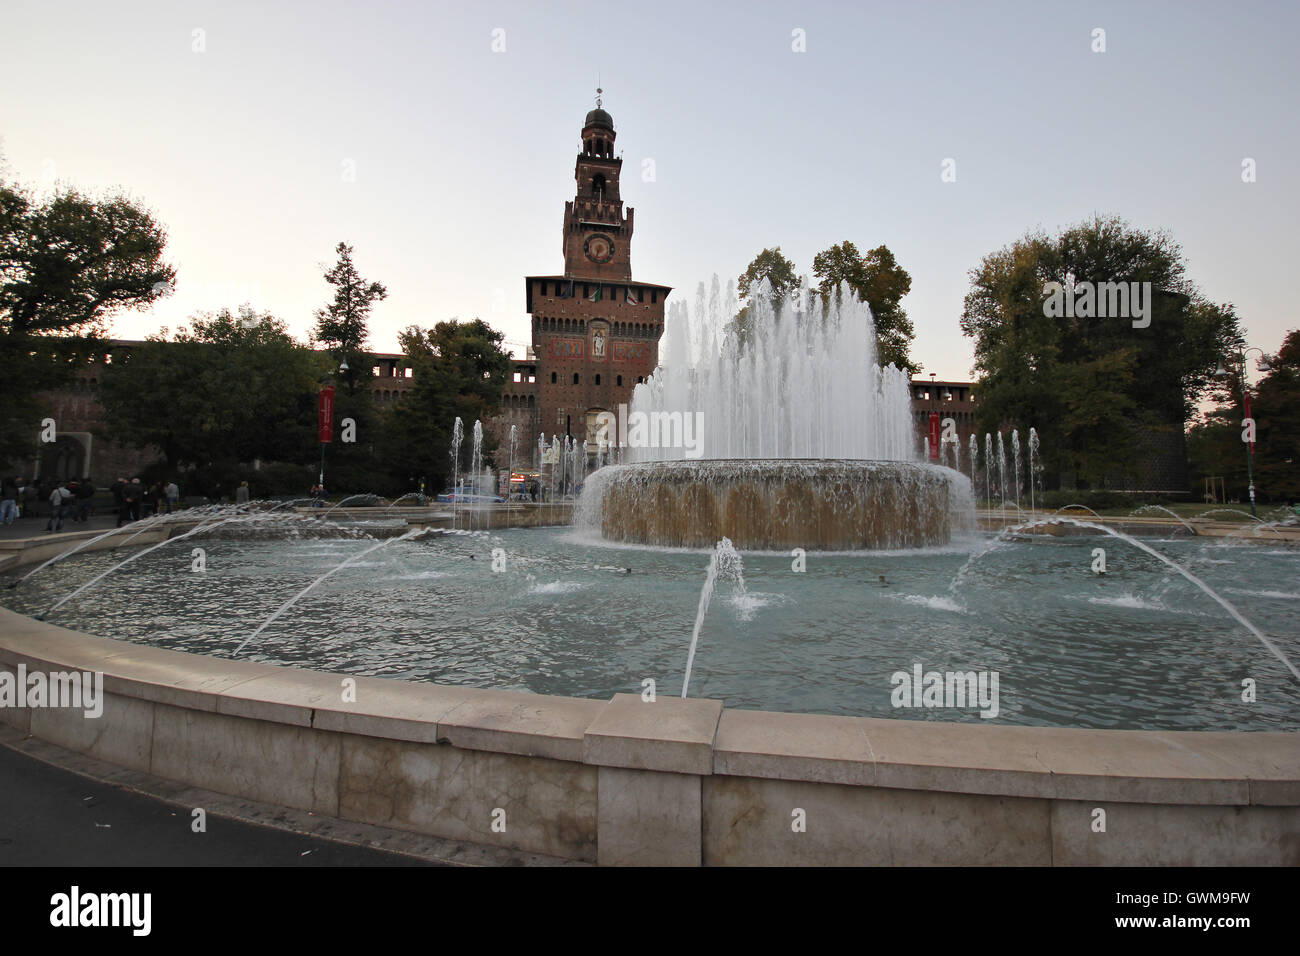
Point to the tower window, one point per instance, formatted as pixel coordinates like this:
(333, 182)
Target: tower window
(598, 379)
(575, 378)
(554, 379)
(620, 381)
(598, 186)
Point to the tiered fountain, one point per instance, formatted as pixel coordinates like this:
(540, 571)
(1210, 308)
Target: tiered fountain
(803, 440)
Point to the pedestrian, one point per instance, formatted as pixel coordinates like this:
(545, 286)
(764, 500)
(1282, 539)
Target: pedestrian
(149, 500)
(59, 498)
(173, 493)
(241, 493)
(119, 503)
(85, 500)
(8, 500)
(132, 495)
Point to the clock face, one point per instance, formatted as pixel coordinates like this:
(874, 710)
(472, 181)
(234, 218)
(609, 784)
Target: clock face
(599, 248)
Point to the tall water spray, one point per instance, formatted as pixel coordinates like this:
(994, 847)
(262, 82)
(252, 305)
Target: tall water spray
(1015, 453)
(457, 436)
(799, 380)
(1034, 465)
(988, 481)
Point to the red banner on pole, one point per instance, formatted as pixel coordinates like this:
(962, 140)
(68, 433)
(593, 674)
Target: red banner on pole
(325, 414)
(934, 436)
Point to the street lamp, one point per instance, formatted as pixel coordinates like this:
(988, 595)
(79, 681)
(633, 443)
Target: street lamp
(1220, 372)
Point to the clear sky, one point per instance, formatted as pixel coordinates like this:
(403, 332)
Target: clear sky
(462, 155)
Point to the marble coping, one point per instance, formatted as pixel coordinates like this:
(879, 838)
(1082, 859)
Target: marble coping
(694, 736)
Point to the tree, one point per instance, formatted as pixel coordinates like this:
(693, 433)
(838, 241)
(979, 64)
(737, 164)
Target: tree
(459, 369)
(877, 279)
(66, 266)
(205, 395)
(1092, 386)
(771, 266)
(342, 325)
(1277, 416)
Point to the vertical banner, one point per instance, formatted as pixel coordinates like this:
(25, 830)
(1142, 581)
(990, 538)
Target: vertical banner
(325, 414)
(934, 436)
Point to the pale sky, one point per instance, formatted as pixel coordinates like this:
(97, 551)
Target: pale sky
(240, 136)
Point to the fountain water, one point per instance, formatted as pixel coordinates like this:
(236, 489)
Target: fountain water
(1035, 463)
(988, 481)
(784, 432)
(457, 436)
(1015, 475)
(334, 570)
(725, 562)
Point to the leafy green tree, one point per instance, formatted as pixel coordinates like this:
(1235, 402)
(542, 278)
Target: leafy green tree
(1276, 408)
(1091, 385)
(66, 266)
(230, 388)
(878, 280)
(770, 265)
(342, 327)
(458, 370)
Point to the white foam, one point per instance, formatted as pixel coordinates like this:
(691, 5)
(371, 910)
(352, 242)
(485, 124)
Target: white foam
(557, 587)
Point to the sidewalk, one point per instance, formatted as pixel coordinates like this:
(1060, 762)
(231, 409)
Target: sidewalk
(53, 817)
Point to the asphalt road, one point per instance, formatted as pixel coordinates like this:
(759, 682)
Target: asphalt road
(52, 817)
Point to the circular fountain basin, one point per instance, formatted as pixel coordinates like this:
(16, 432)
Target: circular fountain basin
(774, 504)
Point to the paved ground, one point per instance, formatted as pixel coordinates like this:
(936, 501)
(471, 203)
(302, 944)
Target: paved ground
(35, 527)
(53, 817)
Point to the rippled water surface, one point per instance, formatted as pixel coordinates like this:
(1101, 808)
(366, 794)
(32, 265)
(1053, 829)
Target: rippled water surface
(1139, 648)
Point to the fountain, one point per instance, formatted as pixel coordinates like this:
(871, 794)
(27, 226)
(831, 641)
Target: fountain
(784, 434)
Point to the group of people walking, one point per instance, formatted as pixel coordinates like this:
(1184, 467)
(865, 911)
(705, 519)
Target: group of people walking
(74, 499)
(134, 500)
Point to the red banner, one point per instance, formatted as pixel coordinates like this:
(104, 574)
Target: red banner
(325, 414)
(934, 436)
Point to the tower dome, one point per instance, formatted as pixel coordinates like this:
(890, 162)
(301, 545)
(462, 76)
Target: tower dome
(598, 117)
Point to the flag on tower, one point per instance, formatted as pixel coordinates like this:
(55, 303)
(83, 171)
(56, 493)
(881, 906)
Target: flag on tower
(596, 296)
(567, 291)
(631, 297)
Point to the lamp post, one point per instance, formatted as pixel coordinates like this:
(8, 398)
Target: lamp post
(325, 420)
(1221, 372)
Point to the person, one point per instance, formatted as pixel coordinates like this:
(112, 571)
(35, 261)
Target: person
(119, 504)
(8, 500)
(152, 495)
(241, 493)
(173, 493)
(131, 496)
(85, 500)
(59, 498)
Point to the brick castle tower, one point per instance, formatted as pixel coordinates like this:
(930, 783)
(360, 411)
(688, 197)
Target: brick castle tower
(595, 329)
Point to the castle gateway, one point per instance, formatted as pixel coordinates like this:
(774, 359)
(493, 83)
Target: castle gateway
(595, 329)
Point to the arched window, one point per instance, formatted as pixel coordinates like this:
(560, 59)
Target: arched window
(598, 186)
